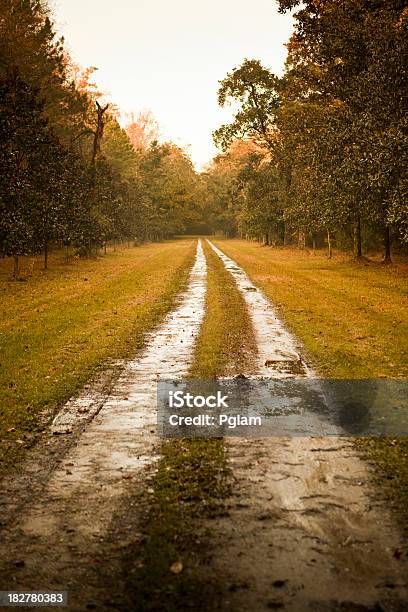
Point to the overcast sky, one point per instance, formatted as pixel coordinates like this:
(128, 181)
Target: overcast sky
(168, 55)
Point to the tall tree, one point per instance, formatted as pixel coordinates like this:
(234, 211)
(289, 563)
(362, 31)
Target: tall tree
(254, 88)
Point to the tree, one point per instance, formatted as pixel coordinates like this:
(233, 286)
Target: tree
(142, 130)
(353, 54)
(224, 187)
(98, 132)
(22, 132)
(254, 88)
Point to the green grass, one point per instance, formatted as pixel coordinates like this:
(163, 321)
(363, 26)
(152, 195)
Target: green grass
(60, 326)
(353, 321)
(193, 478)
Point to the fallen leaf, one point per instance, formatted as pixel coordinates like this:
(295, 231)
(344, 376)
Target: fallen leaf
(176, 567)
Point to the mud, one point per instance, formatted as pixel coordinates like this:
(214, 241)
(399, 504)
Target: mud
(61, 537)
(305, 530)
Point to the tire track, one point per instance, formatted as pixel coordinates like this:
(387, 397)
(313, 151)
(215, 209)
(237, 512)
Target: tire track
(59, 541)
(305, 529)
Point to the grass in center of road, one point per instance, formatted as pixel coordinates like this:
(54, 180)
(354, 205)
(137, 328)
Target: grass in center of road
(193, 478)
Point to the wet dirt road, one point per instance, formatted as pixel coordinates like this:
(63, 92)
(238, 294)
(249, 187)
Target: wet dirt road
(304, 530)
(59, 541)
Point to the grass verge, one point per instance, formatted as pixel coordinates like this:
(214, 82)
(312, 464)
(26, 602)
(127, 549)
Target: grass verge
(61, 326)
(353, 321)
(193, 478)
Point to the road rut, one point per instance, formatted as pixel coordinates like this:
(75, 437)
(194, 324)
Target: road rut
(305, 530)
(58, 540)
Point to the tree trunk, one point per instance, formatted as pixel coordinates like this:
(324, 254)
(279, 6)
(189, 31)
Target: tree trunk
(357, 238)
(66, 253)
(16, 271)
(387, 245)
(285, 234)
(329, 246)
(46, 256)
(301, 239)
(98, 134)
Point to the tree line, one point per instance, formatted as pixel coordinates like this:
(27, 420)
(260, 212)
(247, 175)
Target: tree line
(316, 156)
(69, 173)
(320, 154)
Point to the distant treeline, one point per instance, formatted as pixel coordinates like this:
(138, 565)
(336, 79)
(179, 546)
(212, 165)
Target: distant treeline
(320, 154)
(69, 174)
(317, 156)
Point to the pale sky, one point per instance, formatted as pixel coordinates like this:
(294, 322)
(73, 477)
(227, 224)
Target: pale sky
(168, 56)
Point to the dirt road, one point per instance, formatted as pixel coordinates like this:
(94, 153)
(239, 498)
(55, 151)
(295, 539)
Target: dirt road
(304, 529)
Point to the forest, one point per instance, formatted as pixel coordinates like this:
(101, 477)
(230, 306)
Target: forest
(70, 174)
(314, 157)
